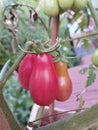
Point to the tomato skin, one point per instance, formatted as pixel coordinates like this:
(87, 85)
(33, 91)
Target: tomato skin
(51, 7)
(25, 70)
(95, 57)
(43, 83)
(79, 4)
(64, 81)
(65, 4)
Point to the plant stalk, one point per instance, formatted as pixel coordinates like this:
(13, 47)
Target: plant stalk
(55, 28)
(39, 115)
(93, 12)
(14, 125)
(54, 35)
(81, 37)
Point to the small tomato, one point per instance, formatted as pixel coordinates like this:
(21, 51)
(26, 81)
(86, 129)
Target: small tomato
(95, 58)
(64, 81)
(65, 4)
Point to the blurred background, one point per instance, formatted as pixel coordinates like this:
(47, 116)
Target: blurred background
(17, 26)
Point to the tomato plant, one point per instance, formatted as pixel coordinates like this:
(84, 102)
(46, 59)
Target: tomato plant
(64, 81)
(25, 69)
(50, 7)
(43, 83)
(95, 58)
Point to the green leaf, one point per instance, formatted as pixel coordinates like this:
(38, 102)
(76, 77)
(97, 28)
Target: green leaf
(82, 24)
(84, 70)
(91, 75)
(76, 16)
(90, 79)
(86, 44)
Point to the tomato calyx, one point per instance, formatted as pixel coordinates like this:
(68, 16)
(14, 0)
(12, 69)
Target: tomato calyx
(38, 48)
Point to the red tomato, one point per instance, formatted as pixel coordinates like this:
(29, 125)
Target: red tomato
(43, 81)
(25, 69)
(64, 81)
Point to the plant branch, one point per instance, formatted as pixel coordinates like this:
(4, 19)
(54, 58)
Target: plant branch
(93, 12)
(14, 125)
(81, 37)
(54, 35)
(79, 121)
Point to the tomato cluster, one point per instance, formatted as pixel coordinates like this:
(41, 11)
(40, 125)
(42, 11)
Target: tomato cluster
(45, 79)
(55, 7)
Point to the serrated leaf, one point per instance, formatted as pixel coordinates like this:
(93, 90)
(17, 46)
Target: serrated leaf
(82, 24)
(90, 79)
(92, 67)
(84, 70)
(91, 75)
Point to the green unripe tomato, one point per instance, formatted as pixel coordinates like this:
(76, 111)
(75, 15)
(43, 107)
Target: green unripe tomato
(51, 7)
(95, 58)
(65, 4)
(79, 4)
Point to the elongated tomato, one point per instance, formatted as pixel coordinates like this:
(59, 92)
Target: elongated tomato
(25, 70)
(43, 81)
(64, 81)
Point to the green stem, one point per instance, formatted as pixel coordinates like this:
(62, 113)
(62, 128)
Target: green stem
(39, 115)
(13, 123)
(93, 12)
(36, 116)
(81, 37)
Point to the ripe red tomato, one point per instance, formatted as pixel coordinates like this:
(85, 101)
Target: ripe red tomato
(43, 83)
(25, 69)
(64, 81)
